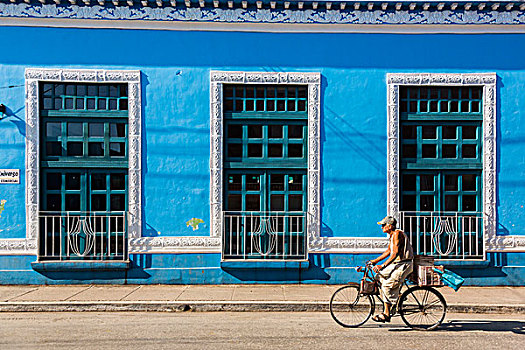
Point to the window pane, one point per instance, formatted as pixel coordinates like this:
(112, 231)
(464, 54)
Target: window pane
(53, 202)
(426, 182)
(253, 202)
(96, 130)
(409, 132)
(118, 202)
(451, 203)
(53, 148)
(409, 182)
(74, 129)
(275, 131)
(72, 202)
(234, 150)
(295, 150)
(72, 181)
(277, 182)
(91, 103)
(429, 132)
(53, 181)
(469, 182)
(449, 132)
(469, 203)
(469, 151)
(117, 130)
(429, 151)
(117, 149)
(295, 131)
(469, 132)
(426, 203)
(234, 202)
(295, 202)
(253, 183)
(53, 129)
(254, 131)
(98, 182)
(234, 182)
(96, 149)
(277, 202)
(255, 150)
(275, 150)
(409, 151)
(234, 131)
(451, 182)
(74, 149)
(118, 181)
(409, 203)
(449, 151)
(295, 182)
(98, 202)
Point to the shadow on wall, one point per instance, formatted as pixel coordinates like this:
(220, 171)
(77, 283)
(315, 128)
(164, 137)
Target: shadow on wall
(13, 117)
(315, 271)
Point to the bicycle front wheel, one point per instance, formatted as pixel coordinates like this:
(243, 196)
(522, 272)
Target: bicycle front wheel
(422, 308)
(350, 309)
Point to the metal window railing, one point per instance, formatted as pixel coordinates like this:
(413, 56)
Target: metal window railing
(83, 236)
(445, 235)
(264, 235)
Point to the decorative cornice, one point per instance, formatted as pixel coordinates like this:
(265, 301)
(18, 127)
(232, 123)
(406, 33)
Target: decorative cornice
(507, 244)
(488, 81)
(374, 15)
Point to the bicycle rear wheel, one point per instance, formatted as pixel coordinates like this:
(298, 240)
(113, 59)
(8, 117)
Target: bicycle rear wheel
(348, 308)
(422, 308)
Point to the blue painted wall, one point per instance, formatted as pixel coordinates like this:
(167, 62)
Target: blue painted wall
(175, 67)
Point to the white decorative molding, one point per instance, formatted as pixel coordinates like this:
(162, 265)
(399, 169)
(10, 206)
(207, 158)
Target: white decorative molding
(175, 245)
(13, 246)
(506, 244)
(313, 80)
(377, 16)
(35, 75)
(488, 81)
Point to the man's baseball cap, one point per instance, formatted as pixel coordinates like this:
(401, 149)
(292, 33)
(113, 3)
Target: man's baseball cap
(388, 220)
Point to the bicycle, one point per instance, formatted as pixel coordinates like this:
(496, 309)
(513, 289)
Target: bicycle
(420, 307)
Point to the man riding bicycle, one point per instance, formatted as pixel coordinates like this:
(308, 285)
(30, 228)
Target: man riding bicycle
(395, 269)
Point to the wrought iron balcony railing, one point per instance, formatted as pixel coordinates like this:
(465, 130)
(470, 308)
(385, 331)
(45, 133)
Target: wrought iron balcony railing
(445, 235)
(83, 236)
(264, 235)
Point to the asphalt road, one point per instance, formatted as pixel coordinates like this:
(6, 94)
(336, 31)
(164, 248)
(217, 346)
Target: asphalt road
(248, 330)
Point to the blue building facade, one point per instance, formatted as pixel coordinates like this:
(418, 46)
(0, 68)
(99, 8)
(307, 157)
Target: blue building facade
(210, 142)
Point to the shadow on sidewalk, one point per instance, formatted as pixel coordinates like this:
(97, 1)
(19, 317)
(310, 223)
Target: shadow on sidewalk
(517, 327)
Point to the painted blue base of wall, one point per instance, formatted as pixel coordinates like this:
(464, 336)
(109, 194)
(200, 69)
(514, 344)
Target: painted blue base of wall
(206, 269)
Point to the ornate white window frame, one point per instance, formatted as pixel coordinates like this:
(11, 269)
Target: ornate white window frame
(33, 77)
(313, 80)
(488, 82)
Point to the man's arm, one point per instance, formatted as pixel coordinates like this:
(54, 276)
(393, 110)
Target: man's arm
(378, 259)
(394, 252)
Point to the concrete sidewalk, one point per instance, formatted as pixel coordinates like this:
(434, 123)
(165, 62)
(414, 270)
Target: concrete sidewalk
(227, 298)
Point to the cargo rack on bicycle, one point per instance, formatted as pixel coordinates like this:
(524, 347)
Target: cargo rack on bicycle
(424, 274)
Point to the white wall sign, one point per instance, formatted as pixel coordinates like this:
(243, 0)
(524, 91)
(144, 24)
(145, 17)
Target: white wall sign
(9, 176)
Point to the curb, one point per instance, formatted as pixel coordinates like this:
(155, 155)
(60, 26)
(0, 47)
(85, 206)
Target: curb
(215, 306)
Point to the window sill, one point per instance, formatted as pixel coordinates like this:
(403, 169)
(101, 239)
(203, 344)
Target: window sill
(80, 266)
(265, 264)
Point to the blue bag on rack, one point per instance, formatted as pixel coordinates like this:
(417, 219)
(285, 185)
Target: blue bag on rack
(450, 279)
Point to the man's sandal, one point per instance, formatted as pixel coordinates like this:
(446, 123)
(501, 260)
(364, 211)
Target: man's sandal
(382, 317)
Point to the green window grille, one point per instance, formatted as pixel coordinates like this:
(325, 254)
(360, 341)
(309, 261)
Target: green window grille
(441, 169)
(84, 171)
(265, 171)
